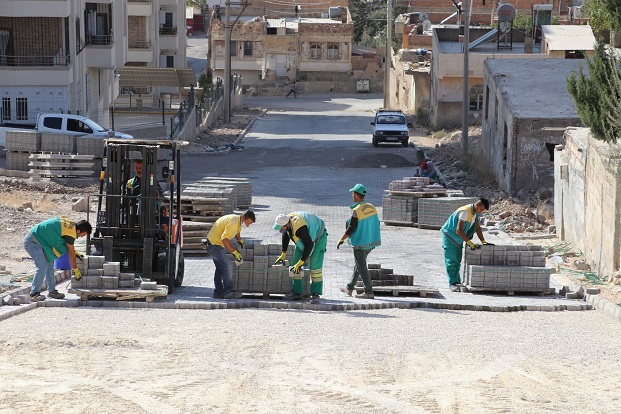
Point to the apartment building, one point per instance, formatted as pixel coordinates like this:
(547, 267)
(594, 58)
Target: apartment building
(59, 56)
(63, 56)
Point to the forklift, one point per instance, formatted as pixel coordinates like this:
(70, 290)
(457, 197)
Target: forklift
(140, 225)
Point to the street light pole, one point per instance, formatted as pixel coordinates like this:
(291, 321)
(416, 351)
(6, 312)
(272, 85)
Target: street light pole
(466, 96)
(388, 57)
(227, 62)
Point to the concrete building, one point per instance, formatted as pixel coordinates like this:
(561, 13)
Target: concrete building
(525, 112)
(587, 199)
(272, 45)
(60, 56)
(567, 42)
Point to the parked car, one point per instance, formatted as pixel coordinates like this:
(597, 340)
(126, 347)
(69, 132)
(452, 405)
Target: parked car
(391, 126)
(67, 124)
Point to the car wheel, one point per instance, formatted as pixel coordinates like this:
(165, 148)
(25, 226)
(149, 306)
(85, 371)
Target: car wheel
(375, 142)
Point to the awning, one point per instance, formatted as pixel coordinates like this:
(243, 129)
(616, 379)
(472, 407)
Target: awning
(141, 76)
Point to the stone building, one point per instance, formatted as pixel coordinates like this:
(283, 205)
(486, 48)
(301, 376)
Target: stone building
(525, 113)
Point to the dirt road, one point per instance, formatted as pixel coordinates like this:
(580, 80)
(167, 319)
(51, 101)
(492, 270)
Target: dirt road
(88, 360)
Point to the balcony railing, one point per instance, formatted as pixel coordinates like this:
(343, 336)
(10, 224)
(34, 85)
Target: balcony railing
(53, 60)
(139, 1)
(103, 40)
(168, 31)
(139, 44)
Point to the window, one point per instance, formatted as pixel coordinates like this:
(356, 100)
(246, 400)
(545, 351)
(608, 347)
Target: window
(333, 51)
(476, 98)
(315, 51)
(248, 48)
(6, 109)
(53, 122)
(22, 109)
(170, 61)
(233, 48)
(78, 126)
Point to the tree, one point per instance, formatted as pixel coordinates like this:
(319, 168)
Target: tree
(599, 16)
(597, 94)
(614, 9)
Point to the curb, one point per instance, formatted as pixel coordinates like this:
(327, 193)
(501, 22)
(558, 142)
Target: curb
(604, 306)
(240, 137)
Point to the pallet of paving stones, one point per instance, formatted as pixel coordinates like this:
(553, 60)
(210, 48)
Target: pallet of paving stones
(510, 291)
(122, 294)
(399, 223)
(60, 165)
(224, 195)
(243, 188)
(422, 291)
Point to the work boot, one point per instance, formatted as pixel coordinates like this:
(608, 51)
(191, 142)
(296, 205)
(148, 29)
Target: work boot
(346, 291)
(293, 296)
(37, 297)
(455, 287)
(315, 299)
(365, 295)
(233, 295)
(56, 295)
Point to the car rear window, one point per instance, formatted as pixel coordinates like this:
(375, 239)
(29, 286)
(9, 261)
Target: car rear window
(390, 119)
(53, 122)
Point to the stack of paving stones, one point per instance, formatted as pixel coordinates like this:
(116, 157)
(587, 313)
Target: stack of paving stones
(19, 146)
(385, 277)
(193, 233)
(410, 184)
(402, 209)
(507, 268)
(434, 212)
(258, 274)
(224, 197)
(99, 274)
(61, 166)
(243, 188)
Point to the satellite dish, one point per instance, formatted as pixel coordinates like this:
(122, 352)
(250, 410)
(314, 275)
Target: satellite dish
(426, 25)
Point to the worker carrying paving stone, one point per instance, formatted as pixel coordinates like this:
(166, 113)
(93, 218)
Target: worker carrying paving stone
(459, 228)
(363, 234)
(218, 243)
(310, 237)
(46, 242)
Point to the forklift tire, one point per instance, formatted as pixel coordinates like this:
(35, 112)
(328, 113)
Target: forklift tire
(179, 279)
(171, 278)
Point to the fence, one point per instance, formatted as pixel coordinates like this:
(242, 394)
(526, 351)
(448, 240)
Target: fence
(180, 118)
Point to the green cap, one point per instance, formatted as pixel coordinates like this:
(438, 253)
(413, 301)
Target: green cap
(359, 188)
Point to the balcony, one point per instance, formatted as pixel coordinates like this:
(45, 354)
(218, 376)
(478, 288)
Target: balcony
(100, 40)
(100, 52)
(139, 51)
(168, 31)
(30, 61)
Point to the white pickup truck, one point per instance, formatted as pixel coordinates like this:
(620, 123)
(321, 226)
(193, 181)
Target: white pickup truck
(66, 124)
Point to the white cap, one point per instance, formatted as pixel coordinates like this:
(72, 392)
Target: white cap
(281, 220)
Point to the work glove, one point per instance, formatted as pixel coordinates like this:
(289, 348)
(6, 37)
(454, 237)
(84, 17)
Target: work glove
(77, 274)
(339, 243)
(281, 258)
(241, 243)
(205, 241)
(79, 255)
(487, 243)
(472, 245)
(237, 256)
(298, 266)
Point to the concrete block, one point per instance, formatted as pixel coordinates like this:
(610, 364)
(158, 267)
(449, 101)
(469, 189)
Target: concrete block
(111, 268)
(148, 286)
(126, 283)
(127, 276)
(96, 262)
(593, 291)
(260, 249)
(109, 282)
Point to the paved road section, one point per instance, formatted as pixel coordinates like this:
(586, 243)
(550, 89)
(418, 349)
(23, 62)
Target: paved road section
(305, 154)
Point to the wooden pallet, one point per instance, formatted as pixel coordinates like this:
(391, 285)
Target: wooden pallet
(510, 291)
(398, 223)
(422, 291)
(418, 194)
(122, 294)
(428, 226)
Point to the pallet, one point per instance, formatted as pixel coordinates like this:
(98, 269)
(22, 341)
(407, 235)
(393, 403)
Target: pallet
(121, 294)
(510, 291)
(418, 194)
(429, 226)
(422, 291)
(398, 223)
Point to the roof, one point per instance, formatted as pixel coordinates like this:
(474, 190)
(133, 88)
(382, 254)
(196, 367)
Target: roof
(535, 88)
(140, 76)
(568, 37)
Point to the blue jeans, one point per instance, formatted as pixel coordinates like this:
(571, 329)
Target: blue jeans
(44, 268)
(223, 278)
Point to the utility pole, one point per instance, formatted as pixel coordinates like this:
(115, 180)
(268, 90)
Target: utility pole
(388, 58)
(227, 62)
(466, 96)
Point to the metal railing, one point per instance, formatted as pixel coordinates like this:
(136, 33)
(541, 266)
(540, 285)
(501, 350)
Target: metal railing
(211, 98)
(183, 113)
(139, 44)
(168, 31)
(101, 40)
(50, 60)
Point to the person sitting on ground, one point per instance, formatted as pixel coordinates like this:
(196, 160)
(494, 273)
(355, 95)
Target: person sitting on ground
(428, 169)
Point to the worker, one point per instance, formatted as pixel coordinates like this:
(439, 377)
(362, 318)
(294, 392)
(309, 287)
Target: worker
(363, 233)
(428, 169)
(46, 242)
(310, 237)
(134, 189)
(218, 243)
(459, 228)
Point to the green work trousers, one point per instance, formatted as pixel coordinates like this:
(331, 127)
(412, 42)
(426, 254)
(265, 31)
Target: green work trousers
(361, 270)
(452, 260)
(316, 267)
